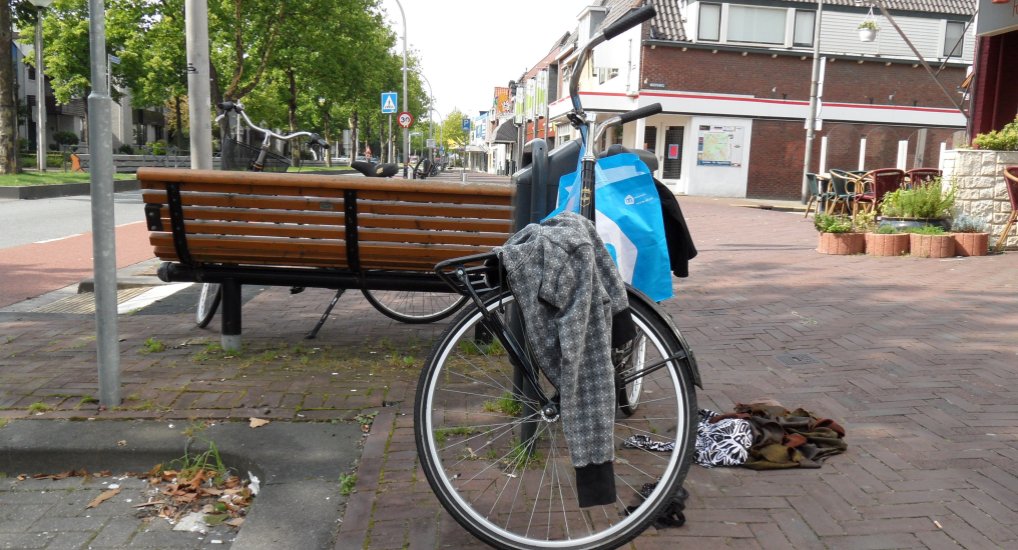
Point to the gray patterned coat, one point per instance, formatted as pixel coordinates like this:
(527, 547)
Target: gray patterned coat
(568, 289)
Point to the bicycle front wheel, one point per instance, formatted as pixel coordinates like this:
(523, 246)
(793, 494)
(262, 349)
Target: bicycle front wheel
(208, 303)
(415, 307)
(471, 420)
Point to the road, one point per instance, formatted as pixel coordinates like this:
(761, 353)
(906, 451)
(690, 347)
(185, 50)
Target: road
(46, 244)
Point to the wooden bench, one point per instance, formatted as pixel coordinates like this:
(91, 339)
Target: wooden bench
(319, 231)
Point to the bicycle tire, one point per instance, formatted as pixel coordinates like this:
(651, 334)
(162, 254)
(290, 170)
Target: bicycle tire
(512, 494)
(422, 169)
(414, 307)
(208, 302)
(632, 360)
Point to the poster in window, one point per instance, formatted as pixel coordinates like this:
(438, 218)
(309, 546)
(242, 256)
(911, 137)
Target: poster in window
(719, 145)
(673, 151)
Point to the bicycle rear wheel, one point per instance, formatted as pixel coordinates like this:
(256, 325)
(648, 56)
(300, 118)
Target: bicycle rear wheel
(415, 307)
(469, 417)
(208, 303)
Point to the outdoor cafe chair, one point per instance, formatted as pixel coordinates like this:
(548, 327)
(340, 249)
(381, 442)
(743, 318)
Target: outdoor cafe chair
(817, 196)
(917, 176)
(845, 188)
(878, 183)
(1011, 178)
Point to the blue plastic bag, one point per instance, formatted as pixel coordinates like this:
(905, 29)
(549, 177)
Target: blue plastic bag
(628, 219)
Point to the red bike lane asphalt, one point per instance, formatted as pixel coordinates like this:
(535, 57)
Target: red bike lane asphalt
(30, 270)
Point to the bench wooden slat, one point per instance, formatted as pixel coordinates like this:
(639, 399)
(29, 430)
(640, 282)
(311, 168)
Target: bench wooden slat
(443, 210)
(298, 234)
(201, 215)
(311, 184)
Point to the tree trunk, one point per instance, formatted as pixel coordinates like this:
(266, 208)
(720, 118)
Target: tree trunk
(179, 135)
(8, 111)
(291, 105)
(355, 124)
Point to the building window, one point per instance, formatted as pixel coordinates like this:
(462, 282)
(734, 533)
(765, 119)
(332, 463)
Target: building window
(802, 34)
(756, 25)
(709, 25)
(954, 36)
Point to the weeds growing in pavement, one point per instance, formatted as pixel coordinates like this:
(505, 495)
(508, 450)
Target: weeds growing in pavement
(347, 482)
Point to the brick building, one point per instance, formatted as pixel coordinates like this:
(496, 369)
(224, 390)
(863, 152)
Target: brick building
(734, 80)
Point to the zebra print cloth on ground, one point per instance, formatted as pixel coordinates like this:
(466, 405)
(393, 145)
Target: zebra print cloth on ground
(723, 443)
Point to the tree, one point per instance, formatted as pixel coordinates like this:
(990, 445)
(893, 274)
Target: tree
(8, 111)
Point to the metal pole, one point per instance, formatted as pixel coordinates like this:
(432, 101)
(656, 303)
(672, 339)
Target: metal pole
(104, 250)
(196, 23)
(406, 131)
(388, 150)
(811, 120)
(40, 95)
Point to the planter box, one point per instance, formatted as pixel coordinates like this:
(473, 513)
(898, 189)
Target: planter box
(931, 246)
(841, 243)
(971, 244)
(887, 244)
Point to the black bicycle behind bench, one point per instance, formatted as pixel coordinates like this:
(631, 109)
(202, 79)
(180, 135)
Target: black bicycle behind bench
(487, 422)
(403, 306)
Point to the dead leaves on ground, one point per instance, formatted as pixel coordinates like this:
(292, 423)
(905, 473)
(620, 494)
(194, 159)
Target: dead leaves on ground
(221, 500)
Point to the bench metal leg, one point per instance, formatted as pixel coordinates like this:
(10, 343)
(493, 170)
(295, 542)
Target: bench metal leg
(230, 333)
(314, 332)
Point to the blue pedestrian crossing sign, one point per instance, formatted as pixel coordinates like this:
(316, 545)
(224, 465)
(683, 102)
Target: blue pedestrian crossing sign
(388, 102)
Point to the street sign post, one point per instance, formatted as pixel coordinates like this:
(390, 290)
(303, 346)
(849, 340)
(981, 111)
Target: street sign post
(405, 119)
(388, 103)
(466, 124)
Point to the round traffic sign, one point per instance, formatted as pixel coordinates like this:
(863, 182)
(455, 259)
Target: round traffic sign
(405, 119)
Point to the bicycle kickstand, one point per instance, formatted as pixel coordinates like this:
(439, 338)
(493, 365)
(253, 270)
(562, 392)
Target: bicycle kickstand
(314, 332)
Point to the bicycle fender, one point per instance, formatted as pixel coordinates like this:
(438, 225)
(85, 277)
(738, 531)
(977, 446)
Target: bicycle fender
(690, 365)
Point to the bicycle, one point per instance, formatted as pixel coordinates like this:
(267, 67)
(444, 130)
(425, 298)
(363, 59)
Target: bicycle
(486, 421)
(404, 306)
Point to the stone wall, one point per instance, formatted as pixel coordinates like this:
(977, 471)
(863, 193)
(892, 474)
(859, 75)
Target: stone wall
(981, 189)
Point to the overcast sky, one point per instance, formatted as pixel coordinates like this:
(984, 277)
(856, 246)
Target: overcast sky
(468, 47)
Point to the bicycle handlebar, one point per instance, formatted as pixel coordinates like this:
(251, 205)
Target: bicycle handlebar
(228, 106)
(629, 21)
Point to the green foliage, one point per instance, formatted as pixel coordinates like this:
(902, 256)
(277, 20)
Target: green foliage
(347, 483)
(38, 407)
(925, 201)
(965, 223)
(826, 223)
(927, 230)
(1005, 139)
(886, 230)
(125, 149)
(869, 24)
(152, 345)
(65, 137)
(506, 404)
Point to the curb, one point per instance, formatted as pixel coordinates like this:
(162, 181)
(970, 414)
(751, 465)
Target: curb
(31, 192)
(295, 462)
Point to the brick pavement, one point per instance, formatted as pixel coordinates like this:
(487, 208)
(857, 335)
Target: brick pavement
(915, 357)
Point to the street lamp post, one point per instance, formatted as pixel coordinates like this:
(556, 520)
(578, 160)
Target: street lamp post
(406, 131)
(811, 119)
(431, 107)
(40, 86)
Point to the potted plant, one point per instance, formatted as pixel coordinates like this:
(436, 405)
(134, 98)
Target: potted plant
(838, 235)
(931, 241)
(970, 236)
(918, 206)
(887, 241)
(868, 30)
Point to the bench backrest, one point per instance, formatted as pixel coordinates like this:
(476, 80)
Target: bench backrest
(201, 217)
